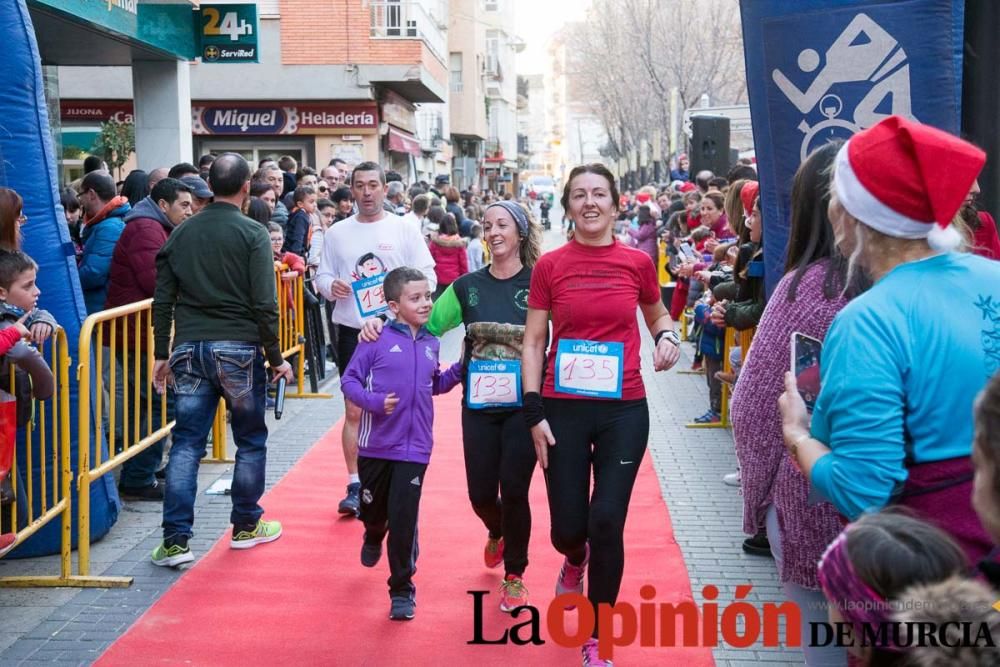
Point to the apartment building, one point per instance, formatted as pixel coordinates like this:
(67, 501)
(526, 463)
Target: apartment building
(359, 80)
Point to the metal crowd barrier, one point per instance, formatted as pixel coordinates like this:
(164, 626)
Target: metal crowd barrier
(292, 328)
(745, 338)
(115, 376)
(46, 451)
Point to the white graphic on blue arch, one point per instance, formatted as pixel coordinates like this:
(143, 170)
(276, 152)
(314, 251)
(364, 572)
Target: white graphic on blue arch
(589, 368)
(493, 384)
(868, 65)
(823, 69)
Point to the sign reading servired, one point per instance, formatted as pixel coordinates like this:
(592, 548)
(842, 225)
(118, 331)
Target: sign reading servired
(255, 118)
(229, 33)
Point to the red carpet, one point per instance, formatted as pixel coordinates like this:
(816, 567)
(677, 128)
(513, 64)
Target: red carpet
(306, 600)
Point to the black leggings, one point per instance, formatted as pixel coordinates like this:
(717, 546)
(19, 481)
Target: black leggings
(610, 436)
(499, 455)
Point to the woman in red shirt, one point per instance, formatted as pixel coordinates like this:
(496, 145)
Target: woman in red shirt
(594, 410)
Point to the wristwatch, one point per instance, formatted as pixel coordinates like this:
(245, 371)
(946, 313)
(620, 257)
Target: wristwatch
(670, 336)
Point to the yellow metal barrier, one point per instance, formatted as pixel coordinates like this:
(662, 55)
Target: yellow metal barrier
(292, 339)
(730, 340)
(46, 450)
(115, 368)
(292, 328)
(746, 339)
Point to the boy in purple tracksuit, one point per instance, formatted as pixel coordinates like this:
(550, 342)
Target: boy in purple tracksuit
(393, 380)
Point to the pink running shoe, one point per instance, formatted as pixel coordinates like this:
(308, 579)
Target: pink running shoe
(513, 594)
(571, 576)
(493, 553)
(590, 657)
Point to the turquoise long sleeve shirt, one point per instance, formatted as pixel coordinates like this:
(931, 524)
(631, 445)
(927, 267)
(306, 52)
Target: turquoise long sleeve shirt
(901, 367)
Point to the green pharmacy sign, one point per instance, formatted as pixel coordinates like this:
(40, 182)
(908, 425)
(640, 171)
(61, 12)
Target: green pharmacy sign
(229, 33)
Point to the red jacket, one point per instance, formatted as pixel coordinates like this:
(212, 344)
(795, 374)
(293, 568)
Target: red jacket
(133, 264)
(451, 259)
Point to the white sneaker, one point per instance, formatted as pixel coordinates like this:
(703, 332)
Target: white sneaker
(732, 479)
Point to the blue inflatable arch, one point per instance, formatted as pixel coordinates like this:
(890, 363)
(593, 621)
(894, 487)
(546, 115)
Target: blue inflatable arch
(28, 165)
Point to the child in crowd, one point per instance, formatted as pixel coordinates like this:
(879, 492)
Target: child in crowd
(451, 258)
(477, 254)
(33, 378)
(393, 380)
(299, 223)
(711, 341)
(326, 216)
(986, 484)
(879, 565)
(291, 266)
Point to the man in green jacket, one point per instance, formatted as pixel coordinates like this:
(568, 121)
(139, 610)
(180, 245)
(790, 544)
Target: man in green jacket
(215, 287)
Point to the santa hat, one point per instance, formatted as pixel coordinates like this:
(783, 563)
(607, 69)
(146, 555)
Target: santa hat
(907, 180)
(748, 195)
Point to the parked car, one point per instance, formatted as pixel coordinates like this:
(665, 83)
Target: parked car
(542, 186)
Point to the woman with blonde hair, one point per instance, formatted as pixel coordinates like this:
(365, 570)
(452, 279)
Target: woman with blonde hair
(492, 303)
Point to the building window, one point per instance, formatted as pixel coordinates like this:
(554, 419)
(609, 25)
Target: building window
(455, 69)
(492, 5)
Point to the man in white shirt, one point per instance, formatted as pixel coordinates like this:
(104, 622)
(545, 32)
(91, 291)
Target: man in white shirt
(418, 211)
(357, 254)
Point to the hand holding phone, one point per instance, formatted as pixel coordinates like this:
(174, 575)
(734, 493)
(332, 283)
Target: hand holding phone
(805, 365)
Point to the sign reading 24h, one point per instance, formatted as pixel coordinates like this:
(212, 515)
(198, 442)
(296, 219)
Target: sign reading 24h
(229, 33)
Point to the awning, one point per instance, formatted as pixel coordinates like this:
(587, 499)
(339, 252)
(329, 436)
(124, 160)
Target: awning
(404, 142)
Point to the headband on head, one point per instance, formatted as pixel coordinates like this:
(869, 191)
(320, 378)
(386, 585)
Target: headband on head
(516, 212)
(856, 601)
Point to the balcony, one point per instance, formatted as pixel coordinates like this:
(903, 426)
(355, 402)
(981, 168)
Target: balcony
(405, 19)
(494, 151)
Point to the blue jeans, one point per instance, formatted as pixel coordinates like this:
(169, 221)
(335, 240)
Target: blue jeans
(203, 372)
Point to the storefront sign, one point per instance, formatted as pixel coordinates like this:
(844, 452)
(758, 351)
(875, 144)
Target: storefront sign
(398, 111)
(403, 142)
(229, 33)
(96, 111)
(164, 26)
(275, 118)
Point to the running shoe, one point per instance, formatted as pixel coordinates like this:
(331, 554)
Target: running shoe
(513, 594)
(590, 656)
(710, 417)
(696, 366)
(402, 608)
(571, 576)
(264, 531)
(351, 504)
(370, 554)
(171, 553)
(493, 553)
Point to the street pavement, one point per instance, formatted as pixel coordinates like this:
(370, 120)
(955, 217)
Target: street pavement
(69, 626)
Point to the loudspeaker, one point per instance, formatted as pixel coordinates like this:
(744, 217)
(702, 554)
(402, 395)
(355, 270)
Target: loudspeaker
(709, 145)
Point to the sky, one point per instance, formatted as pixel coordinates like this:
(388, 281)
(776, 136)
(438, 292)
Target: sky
(535, 22)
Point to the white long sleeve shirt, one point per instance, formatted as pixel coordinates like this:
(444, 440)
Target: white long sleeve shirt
(356, 251)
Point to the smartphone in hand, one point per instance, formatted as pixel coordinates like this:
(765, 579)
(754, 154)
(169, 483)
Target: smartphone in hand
(805, 364)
